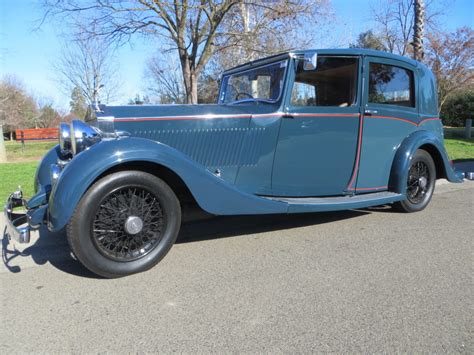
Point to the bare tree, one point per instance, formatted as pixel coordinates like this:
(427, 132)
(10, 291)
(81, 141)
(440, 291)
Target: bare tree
(164, 77)
(396, 19)
(258, 28)
(87, 64)
(18, 109)
(451, 58)
(191, 27)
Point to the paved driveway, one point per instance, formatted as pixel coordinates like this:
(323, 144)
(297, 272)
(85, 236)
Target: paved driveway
(368, 281)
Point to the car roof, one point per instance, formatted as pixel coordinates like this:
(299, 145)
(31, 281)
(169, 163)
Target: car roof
(335, 51)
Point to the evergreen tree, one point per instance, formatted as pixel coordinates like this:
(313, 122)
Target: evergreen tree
(369, 40)
(78, 103)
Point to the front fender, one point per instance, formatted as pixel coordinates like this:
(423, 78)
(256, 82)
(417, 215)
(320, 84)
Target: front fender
(213, 194)
(42, 181)
(405, 153)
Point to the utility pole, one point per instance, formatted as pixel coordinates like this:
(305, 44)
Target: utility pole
(418, 33)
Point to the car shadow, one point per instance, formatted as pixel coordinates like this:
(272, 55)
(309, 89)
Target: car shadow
(236, 226)
(53, 248)
(48, 248)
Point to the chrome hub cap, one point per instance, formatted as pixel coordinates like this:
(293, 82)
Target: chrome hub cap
(133, 225)
(423, 181)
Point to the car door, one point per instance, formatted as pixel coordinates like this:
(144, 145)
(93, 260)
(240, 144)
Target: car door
(317, 143)
(390, 115)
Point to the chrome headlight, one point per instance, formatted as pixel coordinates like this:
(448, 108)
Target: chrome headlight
(65, 138)
(83, 136)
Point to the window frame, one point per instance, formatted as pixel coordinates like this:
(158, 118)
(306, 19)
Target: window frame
(411, 85)
(357, 87)
(225, 79)
(395, 63)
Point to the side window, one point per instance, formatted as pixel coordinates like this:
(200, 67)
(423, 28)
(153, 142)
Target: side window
(332, 83)
(303, 94)
(391, 85)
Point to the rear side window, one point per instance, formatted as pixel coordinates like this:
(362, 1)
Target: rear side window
(332, 83)
(391, 85)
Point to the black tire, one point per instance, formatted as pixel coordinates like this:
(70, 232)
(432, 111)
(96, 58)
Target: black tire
(104, 232)
(421, 182)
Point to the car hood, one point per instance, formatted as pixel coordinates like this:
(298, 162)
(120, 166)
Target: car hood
(181, 111)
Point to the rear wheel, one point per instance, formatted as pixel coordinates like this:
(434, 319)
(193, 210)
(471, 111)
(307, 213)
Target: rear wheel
(420, 183)
(125, 223)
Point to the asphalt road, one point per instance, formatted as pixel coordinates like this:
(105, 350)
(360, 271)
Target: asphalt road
(366, 281)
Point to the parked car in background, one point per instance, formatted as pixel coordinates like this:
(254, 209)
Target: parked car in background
(303, 131)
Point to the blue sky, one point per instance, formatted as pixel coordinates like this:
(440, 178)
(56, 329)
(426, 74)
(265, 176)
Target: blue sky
(28, 54)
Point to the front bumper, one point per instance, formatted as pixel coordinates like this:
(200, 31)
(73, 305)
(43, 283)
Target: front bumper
(17, 221)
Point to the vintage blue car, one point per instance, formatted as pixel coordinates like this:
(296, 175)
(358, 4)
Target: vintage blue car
(303, 131)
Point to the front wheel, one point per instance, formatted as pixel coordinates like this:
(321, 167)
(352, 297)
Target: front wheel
(420, 183)
(124, 224)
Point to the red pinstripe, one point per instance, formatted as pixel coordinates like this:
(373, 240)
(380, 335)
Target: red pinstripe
(325, 114)
(359, 144)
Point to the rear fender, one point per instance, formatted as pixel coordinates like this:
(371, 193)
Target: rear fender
(405, 152)
(212, 194)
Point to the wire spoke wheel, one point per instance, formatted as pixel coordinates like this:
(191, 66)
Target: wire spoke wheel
(125, 223)
(128, 224)
(418, 182)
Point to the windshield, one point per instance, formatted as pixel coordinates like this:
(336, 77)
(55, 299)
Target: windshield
(261, 84)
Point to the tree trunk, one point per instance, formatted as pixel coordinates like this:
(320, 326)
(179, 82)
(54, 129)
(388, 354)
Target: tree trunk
(190, 85)
(418, 52)
(190, 80)
(3, 153)
(194, 88)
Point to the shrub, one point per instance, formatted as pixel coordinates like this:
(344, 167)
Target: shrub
(458, 108)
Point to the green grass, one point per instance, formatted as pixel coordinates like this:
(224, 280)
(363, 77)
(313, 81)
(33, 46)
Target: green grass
(31, 150)
(459, 149)
(14, 174)
(457, 146)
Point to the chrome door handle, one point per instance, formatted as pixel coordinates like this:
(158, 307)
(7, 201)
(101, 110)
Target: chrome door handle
(370, 112)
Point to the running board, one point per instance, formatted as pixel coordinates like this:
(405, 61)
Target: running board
(320, 204)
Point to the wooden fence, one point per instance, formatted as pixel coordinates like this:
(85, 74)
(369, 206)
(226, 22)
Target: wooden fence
(36, 134)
